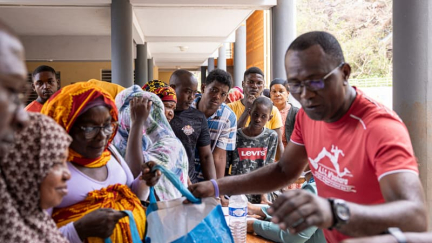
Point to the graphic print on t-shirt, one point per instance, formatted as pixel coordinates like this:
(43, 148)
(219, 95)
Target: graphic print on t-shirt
(252, 153)
(333, 176)
(188, 130)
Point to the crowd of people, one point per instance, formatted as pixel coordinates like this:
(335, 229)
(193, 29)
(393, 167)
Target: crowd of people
(78, 156)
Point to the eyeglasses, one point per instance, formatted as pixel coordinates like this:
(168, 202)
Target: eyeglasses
(215, 91)
(313, 85)
(92, 131)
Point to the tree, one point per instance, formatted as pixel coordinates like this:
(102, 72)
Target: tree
(363, 27)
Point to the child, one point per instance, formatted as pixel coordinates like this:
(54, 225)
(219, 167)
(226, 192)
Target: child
(256, 144)
(271, 231)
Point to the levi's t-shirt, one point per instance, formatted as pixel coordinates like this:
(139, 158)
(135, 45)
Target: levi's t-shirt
(253, 153)
(349, 157)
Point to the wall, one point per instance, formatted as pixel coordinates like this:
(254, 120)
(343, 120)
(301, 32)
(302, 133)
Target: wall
(74, 71)
(255, 40)
(165, 76)
(79, 71)
(155, 72)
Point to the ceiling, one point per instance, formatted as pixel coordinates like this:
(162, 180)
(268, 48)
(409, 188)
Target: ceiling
(200, 26)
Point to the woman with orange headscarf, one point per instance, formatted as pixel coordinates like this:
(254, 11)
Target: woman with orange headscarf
(102, 184)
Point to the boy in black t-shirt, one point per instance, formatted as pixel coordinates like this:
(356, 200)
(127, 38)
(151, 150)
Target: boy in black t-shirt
(190, 125)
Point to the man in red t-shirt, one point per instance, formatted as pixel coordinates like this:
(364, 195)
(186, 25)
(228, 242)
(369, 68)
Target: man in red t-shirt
(45, 84)
(359, 152)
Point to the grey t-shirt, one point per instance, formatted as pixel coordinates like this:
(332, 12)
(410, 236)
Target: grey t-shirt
(252, 153)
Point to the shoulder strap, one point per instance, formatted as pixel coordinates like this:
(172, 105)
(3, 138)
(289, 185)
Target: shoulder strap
(290, 121)
(113, 152)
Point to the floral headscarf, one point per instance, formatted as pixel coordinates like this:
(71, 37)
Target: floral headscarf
(159, 143)
(67, 104)
(36, 150)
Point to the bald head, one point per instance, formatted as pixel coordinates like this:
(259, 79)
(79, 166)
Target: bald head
(182, 77)
(185, 86)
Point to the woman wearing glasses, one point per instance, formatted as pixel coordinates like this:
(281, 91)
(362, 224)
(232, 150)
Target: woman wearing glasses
(102, 183)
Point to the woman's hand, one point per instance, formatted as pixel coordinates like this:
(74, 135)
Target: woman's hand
(151, 178)
(139, 109)
(99, 223)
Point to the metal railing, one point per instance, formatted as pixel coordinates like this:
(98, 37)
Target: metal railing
(372, 82)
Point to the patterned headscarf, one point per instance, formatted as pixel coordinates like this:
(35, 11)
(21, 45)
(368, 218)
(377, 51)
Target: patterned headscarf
(67, 104)
(159, 143)
(166, 94)
(37, 149)
(152, 86)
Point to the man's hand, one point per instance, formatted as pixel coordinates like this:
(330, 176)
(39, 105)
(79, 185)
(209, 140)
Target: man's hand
(249, 101)
(202, 189)
(151, 178)
(299, 209)
(140, 109)
(99, 223)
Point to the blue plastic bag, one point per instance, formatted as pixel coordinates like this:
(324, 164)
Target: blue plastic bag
(172, 221)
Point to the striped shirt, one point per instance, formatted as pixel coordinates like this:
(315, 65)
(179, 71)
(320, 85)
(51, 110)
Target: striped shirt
(223, 129)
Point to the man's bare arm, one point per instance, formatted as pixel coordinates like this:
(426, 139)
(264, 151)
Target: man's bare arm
(247, 101)
(207, 163)
(269, 178)
(404, 208)
(219, 157)
(280, 146)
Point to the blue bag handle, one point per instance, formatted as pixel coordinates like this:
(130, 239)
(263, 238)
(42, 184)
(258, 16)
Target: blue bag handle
(176, 182)
(133, 228)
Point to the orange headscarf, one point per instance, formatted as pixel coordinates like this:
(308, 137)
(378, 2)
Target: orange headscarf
(67, 104)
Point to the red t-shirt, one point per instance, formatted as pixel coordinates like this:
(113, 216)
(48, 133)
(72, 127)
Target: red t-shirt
(34, 106)
(349, 157)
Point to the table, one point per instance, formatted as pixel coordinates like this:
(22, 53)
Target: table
(251, 238)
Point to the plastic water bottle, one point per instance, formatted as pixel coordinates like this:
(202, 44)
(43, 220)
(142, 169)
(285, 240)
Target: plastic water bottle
(237, 217)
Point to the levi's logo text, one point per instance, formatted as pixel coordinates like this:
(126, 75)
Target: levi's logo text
(331, 173)
(238, 212)
(252, 153)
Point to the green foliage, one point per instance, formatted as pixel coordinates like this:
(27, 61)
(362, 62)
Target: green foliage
(363, 27)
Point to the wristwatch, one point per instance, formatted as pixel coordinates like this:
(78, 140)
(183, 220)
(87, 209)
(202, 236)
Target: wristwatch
(397, 233)
(340, 211)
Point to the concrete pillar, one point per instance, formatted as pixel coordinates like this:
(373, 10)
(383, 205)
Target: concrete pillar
(239, 55)
(203, 75)
(412, 91)
(283, 33)
(150, 69)
(141, 65)
(221, 61)
(210, 64)
(121, 43)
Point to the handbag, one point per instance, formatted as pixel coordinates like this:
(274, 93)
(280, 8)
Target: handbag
(173, 221)
(133, 229)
